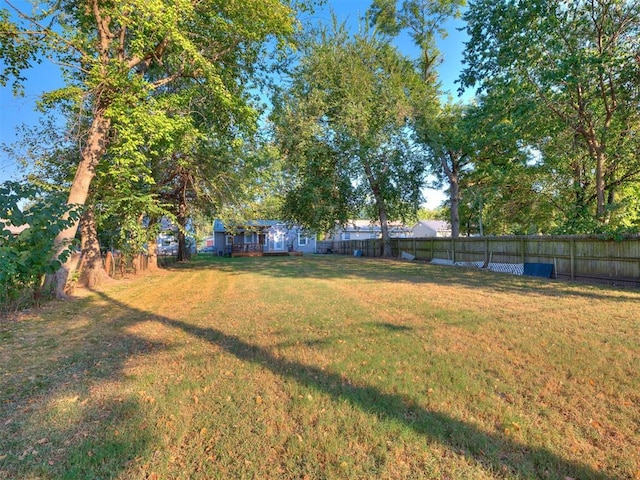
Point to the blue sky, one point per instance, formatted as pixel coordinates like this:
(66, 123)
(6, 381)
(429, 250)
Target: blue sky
(18, 111)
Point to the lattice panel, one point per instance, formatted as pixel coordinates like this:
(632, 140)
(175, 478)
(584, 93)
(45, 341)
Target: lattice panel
(512, 268)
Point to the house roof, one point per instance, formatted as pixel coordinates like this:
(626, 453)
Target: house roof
(369, 226)
(218, 225)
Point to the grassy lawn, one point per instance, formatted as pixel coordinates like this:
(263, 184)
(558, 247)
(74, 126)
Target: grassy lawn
(324, 367)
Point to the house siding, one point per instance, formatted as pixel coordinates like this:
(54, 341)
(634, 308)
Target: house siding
(365, 230)
(290, 240)
(431, 228)
(269, 231)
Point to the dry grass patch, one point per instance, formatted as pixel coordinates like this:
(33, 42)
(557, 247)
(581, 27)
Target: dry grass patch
(324, 367)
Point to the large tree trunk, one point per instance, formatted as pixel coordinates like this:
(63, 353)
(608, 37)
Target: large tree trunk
(597, 153)
(183, 253)
(454, 197)
(384, 228)
(480, 221)
(382, 210)
(451, 171)
(86, 171)
(152, 253)
(93, 272)
(152, 247)
(600, 184)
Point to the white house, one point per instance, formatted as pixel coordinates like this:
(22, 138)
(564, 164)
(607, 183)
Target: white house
(431, 228)
(365, 229)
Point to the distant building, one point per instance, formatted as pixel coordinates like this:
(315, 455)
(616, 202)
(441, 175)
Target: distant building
(167, 240)
(365, 229)
(431, 228)
(261, 236)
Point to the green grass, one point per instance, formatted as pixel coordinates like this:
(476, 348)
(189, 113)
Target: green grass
(324, 367)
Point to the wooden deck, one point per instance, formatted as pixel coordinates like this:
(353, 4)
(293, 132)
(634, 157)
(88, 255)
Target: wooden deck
(257, 250)
(266, 254)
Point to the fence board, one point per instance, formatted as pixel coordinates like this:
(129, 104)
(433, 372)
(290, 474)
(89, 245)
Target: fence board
(574, 257)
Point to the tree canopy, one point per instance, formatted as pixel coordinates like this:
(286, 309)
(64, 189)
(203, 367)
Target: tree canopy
(123, 60)
(344, 126)
(567, 74)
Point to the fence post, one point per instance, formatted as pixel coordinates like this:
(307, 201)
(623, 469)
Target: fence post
(486, 251)
(523, 245)
(453, 250)
(572, 253)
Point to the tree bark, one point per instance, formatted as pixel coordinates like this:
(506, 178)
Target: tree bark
(152, 246)
(382, 211)
(93, 272)
(384, 228)
(597, 152)
(183, 253)
(152, 253)
(454, 197)
(86, 171)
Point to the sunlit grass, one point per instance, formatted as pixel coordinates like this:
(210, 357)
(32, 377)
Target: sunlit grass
(324, 367)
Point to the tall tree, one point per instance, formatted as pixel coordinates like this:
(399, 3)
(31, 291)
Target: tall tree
(576, 63)
(343, 125)
(449, 144)
(438, 129)
(424, 21)
(116, 54)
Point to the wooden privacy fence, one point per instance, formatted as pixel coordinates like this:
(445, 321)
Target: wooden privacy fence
(587, 258)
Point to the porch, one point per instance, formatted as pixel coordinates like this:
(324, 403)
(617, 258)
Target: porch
(246, 249)
(257, 250)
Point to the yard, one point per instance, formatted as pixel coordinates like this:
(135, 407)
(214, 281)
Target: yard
(324, 367)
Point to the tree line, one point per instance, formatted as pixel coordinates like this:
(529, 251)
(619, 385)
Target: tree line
(245, 109)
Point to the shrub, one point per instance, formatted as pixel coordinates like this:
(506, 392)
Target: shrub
(26, 257)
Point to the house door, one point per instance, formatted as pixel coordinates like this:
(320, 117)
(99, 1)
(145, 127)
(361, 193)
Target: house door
(278, 241)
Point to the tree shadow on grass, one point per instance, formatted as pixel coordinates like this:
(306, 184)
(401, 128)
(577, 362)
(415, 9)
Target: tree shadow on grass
(53, 425)
(389, 327)
(380, 269)
(498, 453)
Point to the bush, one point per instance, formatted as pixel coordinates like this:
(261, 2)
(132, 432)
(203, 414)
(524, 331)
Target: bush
(26, 257)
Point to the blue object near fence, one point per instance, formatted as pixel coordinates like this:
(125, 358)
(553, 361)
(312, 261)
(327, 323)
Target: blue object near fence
(543, 270)
(357, 253)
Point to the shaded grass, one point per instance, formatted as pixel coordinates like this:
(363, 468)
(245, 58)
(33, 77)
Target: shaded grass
(324, 367)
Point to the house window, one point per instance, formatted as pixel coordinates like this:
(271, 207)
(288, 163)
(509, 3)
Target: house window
(303, 241)
(248, 237)
(346, 236)
(229, 239)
